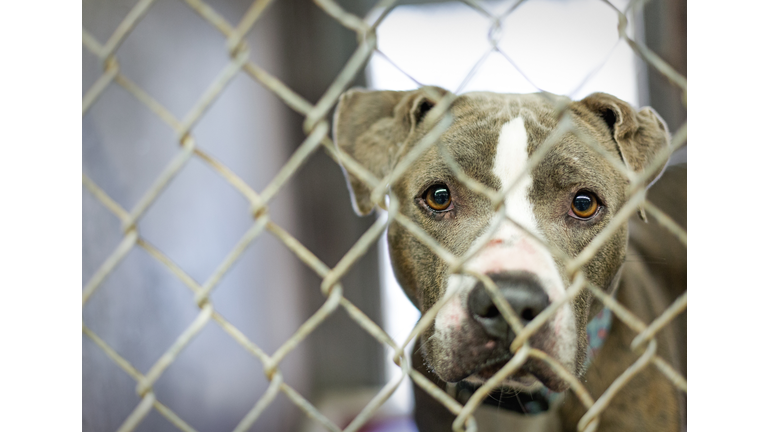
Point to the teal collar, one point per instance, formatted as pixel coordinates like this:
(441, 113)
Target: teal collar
(597, 331)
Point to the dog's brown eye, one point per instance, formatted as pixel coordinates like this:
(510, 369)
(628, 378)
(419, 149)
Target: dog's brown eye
(438, 197)
(584, 205)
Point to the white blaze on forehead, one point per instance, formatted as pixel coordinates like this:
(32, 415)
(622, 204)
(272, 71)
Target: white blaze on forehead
(511, 158)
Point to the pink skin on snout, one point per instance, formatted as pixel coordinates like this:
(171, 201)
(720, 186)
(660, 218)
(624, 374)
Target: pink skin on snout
(524, 255)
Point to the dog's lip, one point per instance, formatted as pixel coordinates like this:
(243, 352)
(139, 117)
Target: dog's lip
(546, 376)
(532, 367)
(492, 365)
(499, 360)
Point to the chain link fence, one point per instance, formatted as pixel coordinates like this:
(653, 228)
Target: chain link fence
(317, 129)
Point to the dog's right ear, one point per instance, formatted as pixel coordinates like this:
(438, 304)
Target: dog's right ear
(372, 126)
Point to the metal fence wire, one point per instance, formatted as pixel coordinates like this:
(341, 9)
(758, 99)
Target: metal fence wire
(317, 128)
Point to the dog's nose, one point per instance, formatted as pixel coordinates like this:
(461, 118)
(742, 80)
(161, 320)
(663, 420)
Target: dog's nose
(523, 292)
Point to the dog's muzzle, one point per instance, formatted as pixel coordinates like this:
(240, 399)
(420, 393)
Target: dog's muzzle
(523, 292)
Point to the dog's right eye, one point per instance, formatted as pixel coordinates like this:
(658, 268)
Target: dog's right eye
(438, 197)
(584, 205)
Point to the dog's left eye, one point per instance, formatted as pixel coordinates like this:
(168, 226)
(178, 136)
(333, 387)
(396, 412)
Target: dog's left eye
(584, 205)
(438, 197)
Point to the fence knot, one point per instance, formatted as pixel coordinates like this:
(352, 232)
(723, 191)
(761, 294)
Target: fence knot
(495, 33)
(111, 64)
(238, 48)
(143, 387)
(186, 139)
(622, 27)
(259, 209)
(270, 368)
(202, 300)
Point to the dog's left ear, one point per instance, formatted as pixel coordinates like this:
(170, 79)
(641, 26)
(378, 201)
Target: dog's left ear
(639, 135)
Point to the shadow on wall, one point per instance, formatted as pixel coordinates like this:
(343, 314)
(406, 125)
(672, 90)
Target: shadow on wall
(141, 308)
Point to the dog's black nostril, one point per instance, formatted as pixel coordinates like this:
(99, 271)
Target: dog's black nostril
(490, 313)
(528, 314)
(524, 294)
(481, 305)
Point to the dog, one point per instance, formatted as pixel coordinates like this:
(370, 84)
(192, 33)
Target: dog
(563, 202)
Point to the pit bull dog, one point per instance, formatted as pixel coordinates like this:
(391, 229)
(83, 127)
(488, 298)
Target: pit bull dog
(564, 201)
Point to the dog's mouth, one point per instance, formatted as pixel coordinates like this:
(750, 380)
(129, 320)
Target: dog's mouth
(532, 372)
(468, 353)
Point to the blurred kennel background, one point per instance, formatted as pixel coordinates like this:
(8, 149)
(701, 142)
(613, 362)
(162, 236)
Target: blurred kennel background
(173, 54)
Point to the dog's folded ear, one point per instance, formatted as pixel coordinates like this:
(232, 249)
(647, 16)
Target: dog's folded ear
(372, 126)
(639, 135)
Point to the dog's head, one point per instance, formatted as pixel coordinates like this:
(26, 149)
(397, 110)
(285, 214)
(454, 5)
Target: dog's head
(560, 204)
